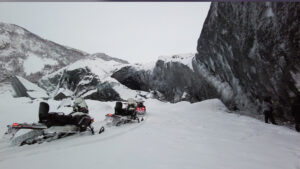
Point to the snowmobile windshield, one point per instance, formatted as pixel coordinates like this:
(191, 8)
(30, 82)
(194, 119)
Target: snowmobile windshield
(80, 103)
(80, 106)
(131, 102)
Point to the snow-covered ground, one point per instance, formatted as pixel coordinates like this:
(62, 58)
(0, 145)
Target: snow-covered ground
(175, 136)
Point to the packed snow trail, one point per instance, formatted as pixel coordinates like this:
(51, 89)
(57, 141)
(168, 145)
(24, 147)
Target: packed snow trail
(182, 135)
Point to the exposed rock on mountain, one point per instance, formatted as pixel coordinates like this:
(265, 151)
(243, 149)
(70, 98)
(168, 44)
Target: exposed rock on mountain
(254, 49)
(172, 76)
(26, 54)
(105, 57)
(90, 79)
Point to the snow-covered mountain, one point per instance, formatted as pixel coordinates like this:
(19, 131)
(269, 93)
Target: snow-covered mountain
(253, 49)
(26, 54)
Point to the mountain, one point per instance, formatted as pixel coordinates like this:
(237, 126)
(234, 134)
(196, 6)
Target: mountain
(26, 54)
(253, 48)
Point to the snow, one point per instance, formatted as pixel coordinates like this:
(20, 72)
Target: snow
(184, 95)
(32, 89)
(269, 11)
(126, 93)
(182, 135)
(98, 66)
(185, 59)
(147, 66)
(35, 64)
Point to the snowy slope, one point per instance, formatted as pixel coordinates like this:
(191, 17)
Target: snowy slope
(26, 54)
(34, 64)
(182, 135)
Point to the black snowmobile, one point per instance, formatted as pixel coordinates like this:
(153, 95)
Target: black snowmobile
(140, 108)
(123, 116)
(51, 126)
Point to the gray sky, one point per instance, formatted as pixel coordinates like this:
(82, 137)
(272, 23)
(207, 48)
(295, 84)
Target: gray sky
(137, 32)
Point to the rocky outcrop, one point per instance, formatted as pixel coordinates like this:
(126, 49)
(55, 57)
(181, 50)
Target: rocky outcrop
(174, 79)
(79, 82)
(104, 92)
(105, 57)
(254, 47)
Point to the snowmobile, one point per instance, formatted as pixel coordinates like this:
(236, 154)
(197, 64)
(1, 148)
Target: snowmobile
(51, 126)
(140, 108)
(123, 116)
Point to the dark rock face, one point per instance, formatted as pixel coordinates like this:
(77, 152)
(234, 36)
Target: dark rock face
(104, 92)
(254, 47)
(78, 81)
(133, 79)
(82, 83)
(174, 80)
(17, 45)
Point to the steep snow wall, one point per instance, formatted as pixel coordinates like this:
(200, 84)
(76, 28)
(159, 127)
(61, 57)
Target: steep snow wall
(254, 47)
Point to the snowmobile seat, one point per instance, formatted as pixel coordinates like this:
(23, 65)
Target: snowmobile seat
(118, 109)
(43, 112)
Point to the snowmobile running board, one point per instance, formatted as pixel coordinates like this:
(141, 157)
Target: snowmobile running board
(39, 133)
(27, 126)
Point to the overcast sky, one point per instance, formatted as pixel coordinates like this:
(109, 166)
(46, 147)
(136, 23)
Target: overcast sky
(137, 32)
